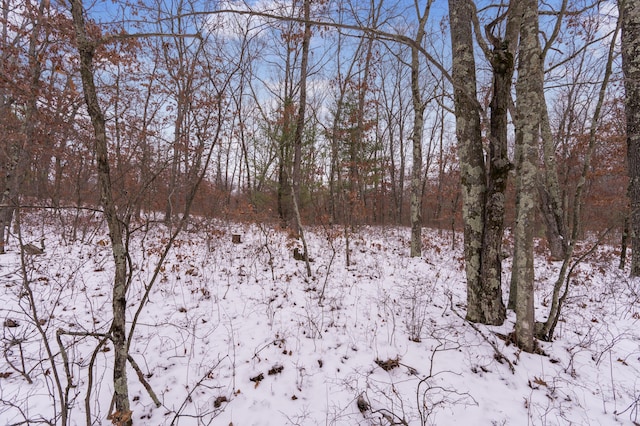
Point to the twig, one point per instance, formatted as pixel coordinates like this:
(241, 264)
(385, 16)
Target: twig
(193, 389)
(102, 339)
(22, 371)
(26, 285)
(499, 355)
(266, 246)
(326, 278)
(567, 280)
(266, 345)
(87, 400)
(144, 382)
(65, 364)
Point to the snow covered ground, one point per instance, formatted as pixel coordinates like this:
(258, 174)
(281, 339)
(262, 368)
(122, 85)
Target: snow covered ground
(238, 334)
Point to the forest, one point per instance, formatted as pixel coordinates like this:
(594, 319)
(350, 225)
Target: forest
(401, 211)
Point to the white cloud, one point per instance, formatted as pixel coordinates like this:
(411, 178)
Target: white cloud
(231, 25)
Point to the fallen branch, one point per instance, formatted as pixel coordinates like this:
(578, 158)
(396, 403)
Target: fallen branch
(144, 382)
(498, 355)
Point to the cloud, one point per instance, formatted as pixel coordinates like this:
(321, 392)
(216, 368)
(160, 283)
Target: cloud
(228, 24)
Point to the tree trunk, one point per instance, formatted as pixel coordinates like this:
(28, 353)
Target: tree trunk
(284, 184)
(416, 137)
(472, 167)
(300, 119)
(86, 50)
(416, 171)
(529, 97)
(502, 63)
(549, 189)
(285, 143)
(299, 134)
(624, 244)
(439, 190)
(630, 15)
(175, 160)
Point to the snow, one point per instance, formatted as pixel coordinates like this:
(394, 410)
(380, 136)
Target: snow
(221, 314)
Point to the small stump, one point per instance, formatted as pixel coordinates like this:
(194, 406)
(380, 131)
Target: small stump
(235, 239)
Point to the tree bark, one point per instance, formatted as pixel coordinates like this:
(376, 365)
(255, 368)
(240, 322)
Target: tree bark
(416, 138)
(86, 50)
(300, 119)
(630, 15)
(300, 122)
(502, 63)
(529, 94)
(472, 166)
(624, 242)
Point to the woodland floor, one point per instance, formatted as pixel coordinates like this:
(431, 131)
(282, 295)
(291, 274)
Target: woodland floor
(238, 334)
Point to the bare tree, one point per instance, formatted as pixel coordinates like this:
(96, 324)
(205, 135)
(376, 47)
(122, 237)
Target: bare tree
(86, 49)
(394, 117)
(501, 57)
(185, 73)
(419, 106)
(549, 189)
(349, 129)
(484, 292)
(562, 283)
(630, 15)
(299, 128)
(18, 148)
(529, 92)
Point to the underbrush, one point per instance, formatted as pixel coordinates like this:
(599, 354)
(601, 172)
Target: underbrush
(238, 333)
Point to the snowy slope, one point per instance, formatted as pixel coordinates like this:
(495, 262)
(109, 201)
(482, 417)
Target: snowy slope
(238, 334)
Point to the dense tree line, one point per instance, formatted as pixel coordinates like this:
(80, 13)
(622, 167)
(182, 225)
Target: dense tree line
(161, 81)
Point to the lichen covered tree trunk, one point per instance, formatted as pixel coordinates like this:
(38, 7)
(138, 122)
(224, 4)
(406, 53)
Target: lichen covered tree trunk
(471, 155)
(416, 171)
(630, 15)
(502, 64)
(529, 87)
